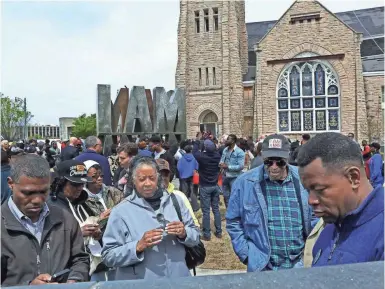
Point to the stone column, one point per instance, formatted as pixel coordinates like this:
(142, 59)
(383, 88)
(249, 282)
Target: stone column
(258, 117)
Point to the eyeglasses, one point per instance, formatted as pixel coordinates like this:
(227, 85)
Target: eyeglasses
(278, 162)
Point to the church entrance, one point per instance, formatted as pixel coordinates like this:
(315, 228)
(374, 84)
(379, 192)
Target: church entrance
(209, 122)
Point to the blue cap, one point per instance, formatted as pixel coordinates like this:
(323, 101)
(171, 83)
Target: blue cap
(209, 145)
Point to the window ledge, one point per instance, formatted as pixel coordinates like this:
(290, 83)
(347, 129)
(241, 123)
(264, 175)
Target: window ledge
(305, 16)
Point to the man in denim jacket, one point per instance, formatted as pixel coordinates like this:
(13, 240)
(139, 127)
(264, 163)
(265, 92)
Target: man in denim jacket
(231, 164)
(268, 218)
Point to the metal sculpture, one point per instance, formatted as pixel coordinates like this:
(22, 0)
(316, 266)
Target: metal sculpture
(141, 113)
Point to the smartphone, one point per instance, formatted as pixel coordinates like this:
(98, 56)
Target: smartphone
(61, 276)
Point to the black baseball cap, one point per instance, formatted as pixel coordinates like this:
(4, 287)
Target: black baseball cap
(275, 146)
(74, 171)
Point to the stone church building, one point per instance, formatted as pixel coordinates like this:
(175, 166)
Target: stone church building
(310, 71)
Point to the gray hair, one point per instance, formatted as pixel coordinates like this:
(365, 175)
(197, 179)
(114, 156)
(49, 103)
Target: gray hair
(91, 141)
(31, 166)
(139, 161)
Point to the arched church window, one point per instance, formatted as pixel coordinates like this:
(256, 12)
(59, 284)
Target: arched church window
(308, 98)
(294, 82)
(210, 118)
(319, 80)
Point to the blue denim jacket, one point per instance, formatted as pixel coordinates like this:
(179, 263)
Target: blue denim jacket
(246, 218)
(236, 162)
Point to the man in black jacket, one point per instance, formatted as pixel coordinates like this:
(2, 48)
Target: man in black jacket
(38, 240)
(209, 190)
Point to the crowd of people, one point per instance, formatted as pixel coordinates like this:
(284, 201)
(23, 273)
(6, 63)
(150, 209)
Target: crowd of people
(131, 214)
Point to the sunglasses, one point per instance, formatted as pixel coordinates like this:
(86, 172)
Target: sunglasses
(278, 162)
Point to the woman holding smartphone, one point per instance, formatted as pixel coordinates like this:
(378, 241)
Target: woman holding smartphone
(144, 238)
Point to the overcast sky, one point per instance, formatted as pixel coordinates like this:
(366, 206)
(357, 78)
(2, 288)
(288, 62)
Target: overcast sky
(55, 53)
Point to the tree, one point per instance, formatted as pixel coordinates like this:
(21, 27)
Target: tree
(84, 126)
(37, 136)
(13, 116)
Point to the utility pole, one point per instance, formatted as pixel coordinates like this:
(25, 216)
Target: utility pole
(25, 119)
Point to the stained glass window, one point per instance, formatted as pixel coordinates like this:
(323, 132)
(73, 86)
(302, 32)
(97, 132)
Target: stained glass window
(333, 119)
(333, 101)
(307, 81)
(320, 103)
(308, 120)
(307, 102)
(283, 121)
(295, 121)
(283, 104)
(294, 82)
(320, 120)
(295, 103)
(282, 92)
(314, 103)
(319, 80)
(332, 90)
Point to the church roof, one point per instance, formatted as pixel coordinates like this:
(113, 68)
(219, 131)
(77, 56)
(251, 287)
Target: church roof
(372, 20)
(373, 63)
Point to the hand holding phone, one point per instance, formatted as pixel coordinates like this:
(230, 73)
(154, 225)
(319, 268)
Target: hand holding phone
(60, 277)
(89, 229)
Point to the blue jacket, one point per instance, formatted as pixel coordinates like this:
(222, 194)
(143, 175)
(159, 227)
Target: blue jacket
(208, 166)
(236, 162)
(5, 190)
(90, 155)
(246, 218)
(375, 165)
(187, 165)
(359, 238)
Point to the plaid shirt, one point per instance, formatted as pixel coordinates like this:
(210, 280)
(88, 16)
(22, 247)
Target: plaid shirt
(284, 223)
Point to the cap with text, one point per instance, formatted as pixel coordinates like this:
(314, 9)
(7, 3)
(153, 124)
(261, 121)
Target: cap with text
(74, 171)
(275, 146)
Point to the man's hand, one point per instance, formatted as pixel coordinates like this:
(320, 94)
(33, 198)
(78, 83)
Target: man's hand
(89, 229)
(223, 165)
(176, 228)
(149, 239)
(97, 235)
(42, 279)
(71, 281)
(105, 214)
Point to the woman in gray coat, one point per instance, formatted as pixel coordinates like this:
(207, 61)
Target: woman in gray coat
(144, 238)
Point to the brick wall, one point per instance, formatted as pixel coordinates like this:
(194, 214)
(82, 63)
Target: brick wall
(373, 91)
